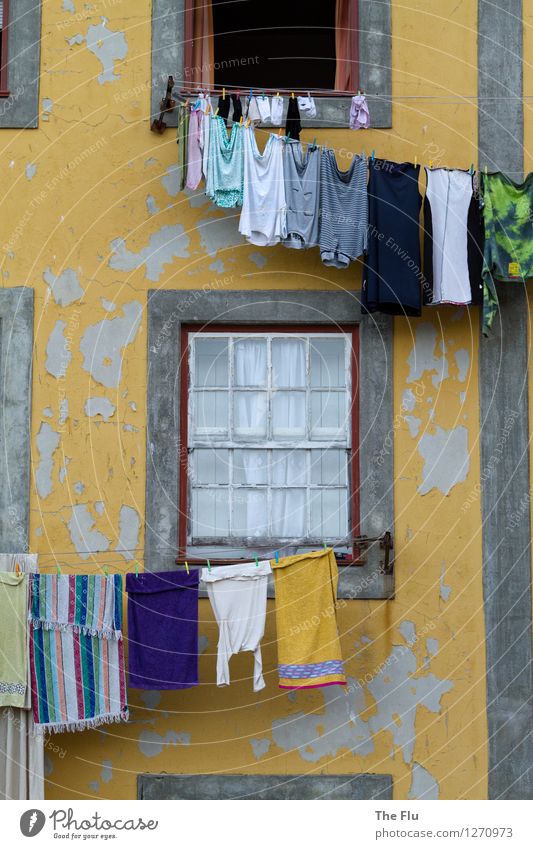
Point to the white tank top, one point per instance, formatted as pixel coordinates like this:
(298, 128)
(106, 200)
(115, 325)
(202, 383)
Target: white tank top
(449, 194)
(263, 214)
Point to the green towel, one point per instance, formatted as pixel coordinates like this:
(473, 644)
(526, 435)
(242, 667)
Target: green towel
(13, 639)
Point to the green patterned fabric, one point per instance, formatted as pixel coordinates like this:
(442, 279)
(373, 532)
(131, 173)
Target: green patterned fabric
(508, 216)
(182, 141)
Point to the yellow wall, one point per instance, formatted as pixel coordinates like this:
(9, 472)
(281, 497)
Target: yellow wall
(416, 704)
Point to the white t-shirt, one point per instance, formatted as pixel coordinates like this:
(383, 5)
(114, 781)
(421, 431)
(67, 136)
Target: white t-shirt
(263, 214)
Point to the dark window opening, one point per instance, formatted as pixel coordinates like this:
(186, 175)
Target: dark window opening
(4, 17)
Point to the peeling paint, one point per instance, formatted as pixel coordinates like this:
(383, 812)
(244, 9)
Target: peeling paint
(102, 343)
(63, 471)
(260, 746)
(413, 424)
(217, 266)
(65, 287)
(107, 771)
(170, 180)
(151, 205)
(58, 356)
(99, 406)
(99, 507)
(86, 539)
(47, 106)
(107, 45)
(48, 412)
(31, 170)
(422, 356)
(408, 400)
(68, 6)
(408, 631)
(432, 646)
(47, 442)
(129, 527)
(258, 259)
(444, 589)
(151, 698)
(218, 234)
(446, 459)
(462, 358)
(109, 306)
(198, 199)
(423, 784)
(164, 246)
(203, 643)
(63, 411)
(152, 744)
(79, 488)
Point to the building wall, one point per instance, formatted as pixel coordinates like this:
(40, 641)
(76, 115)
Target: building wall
(92, 220)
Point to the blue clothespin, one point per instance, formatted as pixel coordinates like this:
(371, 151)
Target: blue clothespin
(288, 136)
(209, 565)
(314, 143)
(136, 569)
(373, 155)
(277, 556)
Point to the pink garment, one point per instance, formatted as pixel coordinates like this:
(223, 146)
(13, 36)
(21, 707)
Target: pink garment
(346, 45)
(195, 149)
(359, 114)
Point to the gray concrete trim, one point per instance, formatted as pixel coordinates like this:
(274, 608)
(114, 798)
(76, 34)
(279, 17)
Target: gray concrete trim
(375, 50)
(362, 786)
(167, 310)
(505, 462)
(16, 347)
(21, 108)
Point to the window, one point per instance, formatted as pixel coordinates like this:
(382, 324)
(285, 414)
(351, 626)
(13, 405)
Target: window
(192, 42)
(270, 424)
(4, 17)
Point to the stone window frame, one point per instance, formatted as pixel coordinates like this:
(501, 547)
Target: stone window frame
(19, 106)
(168, 310)
(353, 786)
(16, 348)
(375, 64)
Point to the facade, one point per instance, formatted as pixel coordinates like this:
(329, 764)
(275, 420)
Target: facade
(105, 264)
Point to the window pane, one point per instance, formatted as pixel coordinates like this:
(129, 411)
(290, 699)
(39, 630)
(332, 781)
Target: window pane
(328, 415)
(210, 513)
(289, 467)
(211, 360)
(211, 465)
(250, 415)
(328, 468)
(288, 415)
(329, 515)
(250, 362)
(250, 467)
(211, 413)
(250, 514)
(288, 363)
(327, 362)
(288, 512)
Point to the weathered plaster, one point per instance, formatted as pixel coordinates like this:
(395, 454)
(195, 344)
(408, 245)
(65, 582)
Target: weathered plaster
(31, 170)
(83, 533)
(65, 287)
(446, 459)
(152, 744)
(422, 357)
(58, 355)
(129, 529)
(462, 358)
(47, 442)
(164, 246)
(260, 746)
(107, 45)
(151, 205)
(423, 784)
(102, 344)
(220, 233)
(99, 406)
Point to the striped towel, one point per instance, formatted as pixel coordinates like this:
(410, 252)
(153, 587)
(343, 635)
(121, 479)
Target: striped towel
(76, 651)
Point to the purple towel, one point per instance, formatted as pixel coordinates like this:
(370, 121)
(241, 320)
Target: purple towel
(163, 630)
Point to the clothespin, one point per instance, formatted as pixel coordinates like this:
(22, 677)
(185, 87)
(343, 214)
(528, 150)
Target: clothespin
(373, 156)
(208, 108)
(187, 567)
(288, 136)
(209, 565)
(279, 132)
(58, 570)
(314, 143)
(136, 569)
(216, 113)
(292, 95)
(471, 169)
(249, 121)
(17, 569)
(277, 556)
(416, 160)
(486, 170)
(223, 93)
(240, 122)
(277, 94)
(431, 165)
(106, 571)
(359, 92)
(256, 560)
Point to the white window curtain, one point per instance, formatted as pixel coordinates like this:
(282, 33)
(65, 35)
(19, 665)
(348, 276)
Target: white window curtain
(21, 744)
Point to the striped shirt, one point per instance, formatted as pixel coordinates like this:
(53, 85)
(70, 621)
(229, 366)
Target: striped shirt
(344, 210)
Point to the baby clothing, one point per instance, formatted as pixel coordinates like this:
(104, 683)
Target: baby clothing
(262, 219)
(238, 596)
(263, 105)
(307, 106)
(276, 111)
(359, 114)
(253, 113)
(302, 193)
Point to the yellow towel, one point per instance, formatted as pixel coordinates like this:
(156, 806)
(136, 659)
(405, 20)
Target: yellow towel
(13, 639)
(309, 651)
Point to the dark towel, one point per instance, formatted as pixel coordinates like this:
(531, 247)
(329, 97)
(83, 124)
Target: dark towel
(163, 630)
(223, 108)
(237, 108)
(293, 125)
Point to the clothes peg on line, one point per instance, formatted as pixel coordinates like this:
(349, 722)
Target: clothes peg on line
(471, 172)
(136, 569)
(240, 122)
(223, 93)
(58, 570)
(106, 571)
(292, 95)
(256, 560)
(187, 567)
(277, 94)
(216, 113)
(279, 132)
(373, 155)
(416, 160)
(314, 143)
(208, 565)
(431, 165)
(277, 556)
(17, 569)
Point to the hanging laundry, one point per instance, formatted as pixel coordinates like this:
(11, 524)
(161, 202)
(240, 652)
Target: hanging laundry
(194, 149)
(225, 164)
(223, 108)
(206, 132)
(263, 105)
(237, 108)
(309, 652)
(392, 278)
(452, 256)
(238, 596)
(508, 216)
(13, 639)
(293, 124)
(307, 106)
(182, 140)
(252, 111)
(343, 210)
(276, 111)
(359, 114)
(263, 212)
(163, 630)
(301, 171)
(76, 651)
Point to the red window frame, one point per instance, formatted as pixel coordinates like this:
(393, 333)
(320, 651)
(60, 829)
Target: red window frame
(4, 54)
(350, 330)
(188, 20)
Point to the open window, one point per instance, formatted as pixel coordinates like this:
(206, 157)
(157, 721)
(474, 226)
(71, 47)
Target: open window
(270, 420)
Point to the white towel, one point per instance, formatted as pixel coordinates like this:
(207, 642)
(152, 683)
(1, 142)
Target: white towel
(238, 596)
